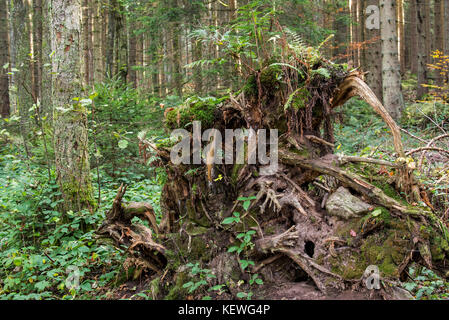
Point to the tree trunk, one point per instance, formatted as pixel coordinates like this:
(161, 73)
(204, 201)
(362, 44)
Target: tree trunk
(373, 53)
(97, 31)
(37, 24)
(446, 31)
(439, 36)
(132, 57)
(4, 60)
(422, 52)
(70, 115)
(401, 34)
(111, 38)
(177, 72)
(413, 37)
(391, 77)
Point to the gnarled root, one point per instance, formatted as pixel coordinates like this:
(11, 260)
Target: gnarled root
(138, 238)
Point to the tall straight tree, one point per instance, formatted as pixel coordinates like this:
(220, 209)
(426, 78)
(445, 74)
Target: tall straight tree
(37, 32)
(438, 34)
(4, 60)
(373, 51)
(70, 116)
(413, 57)
(391, 77)
(423, 50)
(446, 31)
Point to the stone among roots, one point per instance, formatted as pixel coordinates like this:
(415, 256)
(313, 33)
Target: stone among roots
(344, 205)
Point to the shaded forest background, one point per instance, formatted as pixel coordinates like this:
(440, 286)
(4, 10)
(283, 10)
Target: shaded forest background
(82, 81)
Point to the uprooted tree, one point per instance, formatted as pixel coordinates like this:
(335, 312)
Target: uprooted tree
(319, 215)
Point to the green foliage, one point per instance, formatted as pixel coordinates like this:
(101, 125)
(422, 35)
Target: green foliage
(200, 277)
(119, 114)
(426, 285)
(39, 245)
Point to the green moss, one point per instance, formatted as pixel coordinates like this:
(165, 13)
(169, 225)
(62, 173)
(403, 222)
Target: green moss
(385, 248)
(199, 250)
(269, 80)
(76, 196)
(439, 248)
(203, 111)
(177, 292)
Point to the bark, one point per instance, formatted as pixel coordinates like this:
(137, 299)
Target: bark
(4, 60)
(132, 57)
(446, 32)
(38, 30)
(438, 36)
(341, 37)
(177, 72)
(111, 35)
(391, 77)
(70, 116)
(98, 43)
(86, 33)
(422, 53)
(373, 56)
(413, 37)
(401, 34)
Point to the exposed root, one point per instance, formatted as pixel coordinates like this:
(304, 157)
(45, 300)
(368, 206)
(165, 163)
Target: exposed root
(137, 237)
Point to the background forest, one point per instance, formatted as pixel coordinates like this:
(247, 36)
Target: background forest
(84, 82)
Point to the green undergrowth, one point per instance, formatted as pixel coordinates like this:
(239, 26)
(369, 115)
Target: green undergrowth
(43, 250)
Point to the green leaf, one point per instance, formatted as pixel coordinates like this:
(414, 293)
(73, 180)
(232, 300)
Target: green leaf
(323, 72)
(376, 212)
(246, 205)
(122, 144)
(228, 220)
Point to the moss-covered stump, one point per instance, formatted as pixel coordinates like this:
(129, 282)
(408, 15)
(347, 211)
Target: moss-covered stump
(235, 222)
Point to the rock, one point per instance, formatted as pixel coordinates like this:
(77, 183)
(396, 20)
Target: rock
(344, 205)
(401, 294)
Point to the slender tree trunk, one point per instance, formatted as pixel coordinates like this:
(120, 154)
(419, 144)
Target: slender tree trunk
(37, 23)
(46, 83)
(422, 48)
(111, 38)
(391, 77)
(401, 34)
(177, 75)
(70, 119)
(86, 33)
(341, 37)
(439, 37)
(4, 60)
(413, 37)
(97, 27)
(373, 53)
(32, 59)
(427, 23)
(132, 56)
